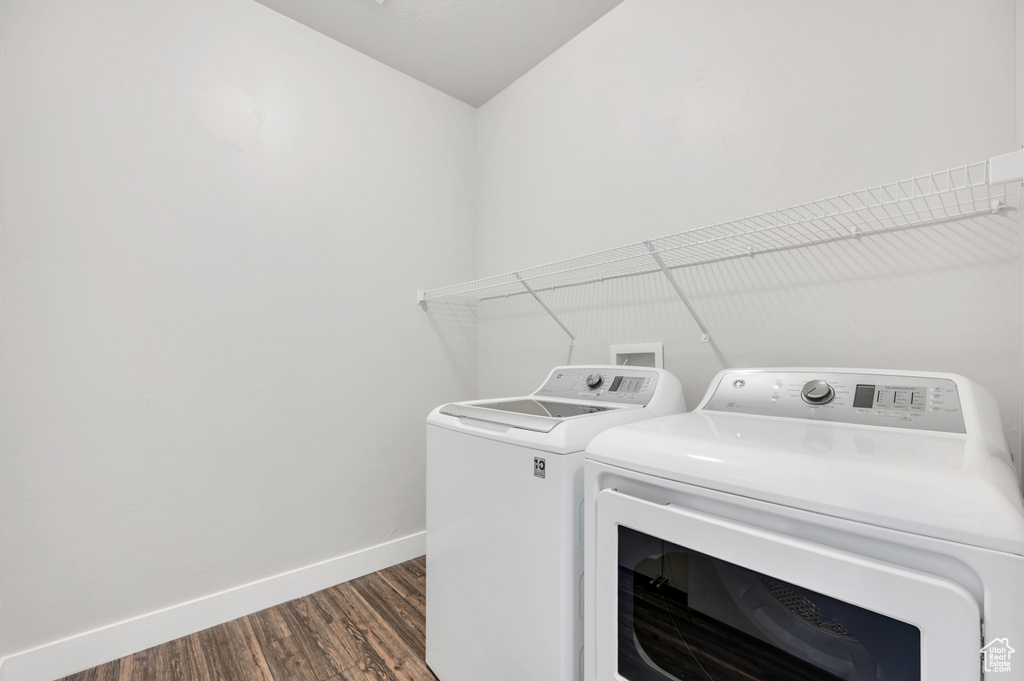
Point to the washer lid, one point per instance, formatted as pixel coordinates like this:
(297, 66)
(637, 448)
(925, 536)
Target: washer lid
(541, 416)
(952, 487)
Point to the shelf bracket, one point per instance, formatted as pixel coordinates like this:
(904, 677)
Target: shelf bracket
(572, 338)
(1006, 168)
(704, 335)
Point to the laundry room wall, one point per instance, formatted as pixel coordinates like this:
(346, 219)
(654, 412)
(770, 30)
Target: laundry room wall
(1019, 117)
(672, 114)
(1019, 6)
(213, 369)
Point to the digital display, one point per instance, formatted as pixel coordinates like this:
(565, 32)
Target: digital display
(864, 397)
(626, 384)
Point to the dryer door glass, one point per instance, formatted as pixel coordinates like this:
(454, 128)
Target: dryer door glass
(687, 615)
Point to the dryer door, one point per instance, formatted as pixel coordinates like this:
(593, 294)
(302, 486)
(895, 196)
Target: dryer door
(684, 595)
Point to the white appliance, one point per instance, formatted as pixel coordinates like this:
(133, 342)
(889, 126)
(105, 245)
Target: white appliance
(504, 506)
(808, 524)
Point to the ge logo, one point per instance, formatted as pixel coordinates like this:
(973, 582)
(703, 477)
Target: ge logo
(538, 467)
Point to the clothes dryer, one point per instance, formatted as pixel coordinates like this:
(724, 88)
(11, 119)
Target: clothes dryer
(504, 508)
(808, 525)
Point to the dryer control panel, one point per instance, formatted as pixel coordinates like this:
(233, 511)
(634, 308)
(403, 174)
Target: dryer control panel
(609, 385)
(901, 401)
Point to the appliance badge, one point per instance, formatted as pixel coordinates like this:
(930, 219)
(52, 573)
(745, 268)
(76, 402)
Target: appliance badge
(538, 467)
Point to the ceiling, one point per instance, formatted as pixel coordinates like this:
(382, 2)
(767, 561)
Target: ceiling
(470, 49)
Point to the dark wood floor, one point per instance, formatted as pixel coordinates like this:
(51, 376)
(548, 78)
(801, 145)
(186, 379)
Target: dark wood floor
(369, 629)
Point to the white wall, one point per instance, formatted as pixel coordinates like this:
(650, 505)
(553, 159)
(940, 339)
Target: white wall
(672, 114)
(1019, 63)
(1019, 117)
(212, 367)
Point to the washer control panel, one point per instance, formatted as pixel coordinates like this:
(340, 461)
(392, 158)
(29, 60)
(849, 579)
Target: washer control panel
(919, 402)
(615, 385)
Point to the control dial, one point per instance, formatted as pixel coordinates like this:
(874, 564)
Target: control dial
(594, 381)
(817, 392)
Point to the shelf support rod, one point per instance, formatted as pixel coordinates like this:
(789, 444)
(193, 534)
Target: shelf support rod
(547, 309)
(704, 335)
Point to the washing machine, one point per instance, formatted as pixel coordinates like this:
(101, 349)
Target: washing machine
(504, 505)
(807, 524)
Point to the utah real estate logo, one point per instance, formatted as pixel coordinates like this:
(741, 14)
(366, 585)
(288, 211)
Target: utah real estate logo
(997, 656)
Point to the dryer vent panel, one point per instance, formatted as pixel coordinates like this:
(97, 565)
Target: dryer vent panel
(639, 355)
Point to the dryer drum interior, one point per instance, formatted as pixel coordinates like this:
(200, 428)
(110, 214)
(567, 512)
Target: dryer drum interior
(686, 615)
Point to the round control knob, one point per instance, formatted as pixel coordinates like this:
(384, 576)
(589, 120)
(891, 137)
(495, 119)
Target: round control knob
(594, 381)
(817, 392)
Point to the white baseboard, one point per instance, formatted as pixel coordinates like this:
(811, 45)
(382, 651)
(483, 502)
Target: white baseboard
(83, 651)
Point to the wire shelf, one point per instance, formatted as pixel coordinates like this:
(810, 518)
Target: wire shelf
(936, 197)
